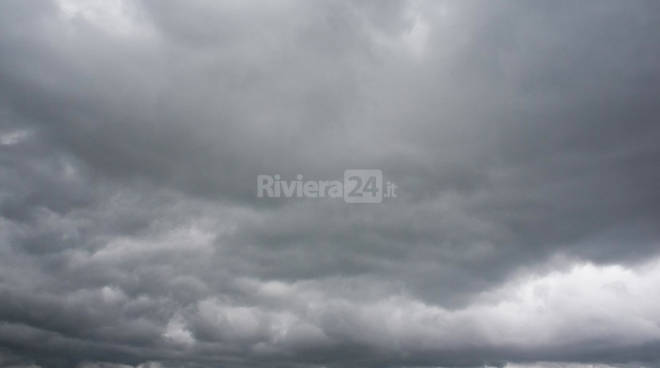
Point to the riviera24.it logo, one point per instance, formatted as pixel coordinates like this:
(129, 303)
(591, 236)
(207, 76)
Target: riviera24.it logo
(358, 186)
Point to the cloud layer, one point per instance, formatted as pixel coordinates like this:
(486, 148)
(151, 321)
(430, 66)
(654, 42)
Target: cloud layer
(522, 137)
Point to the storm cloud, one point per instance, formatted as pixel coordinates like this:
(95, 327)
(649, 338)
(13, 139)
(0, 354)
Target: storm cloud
(523, 138)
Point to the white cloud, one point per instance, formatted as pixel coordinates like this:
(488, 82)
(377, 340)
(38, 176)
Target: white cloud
(117, 17)
(618, 304)
(14, 137)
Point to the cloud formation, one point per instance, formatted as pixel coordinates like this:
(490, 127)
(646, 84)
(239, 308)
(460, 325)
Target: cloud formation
(522, 137)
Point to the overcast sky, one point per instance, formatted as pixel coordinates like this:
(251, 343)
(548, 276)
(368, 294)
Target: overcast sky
(523, 136)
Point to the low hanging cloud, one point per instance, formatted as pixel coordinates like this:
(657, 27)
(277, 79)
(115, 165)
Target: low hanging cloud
(522, 139)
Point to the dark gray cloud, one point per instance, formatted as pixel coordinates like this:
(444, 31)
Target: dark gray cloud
(522, 137)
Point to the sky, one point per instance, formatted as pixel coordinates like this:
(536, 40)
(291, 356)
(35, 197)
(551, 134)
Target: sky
(522, 137)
